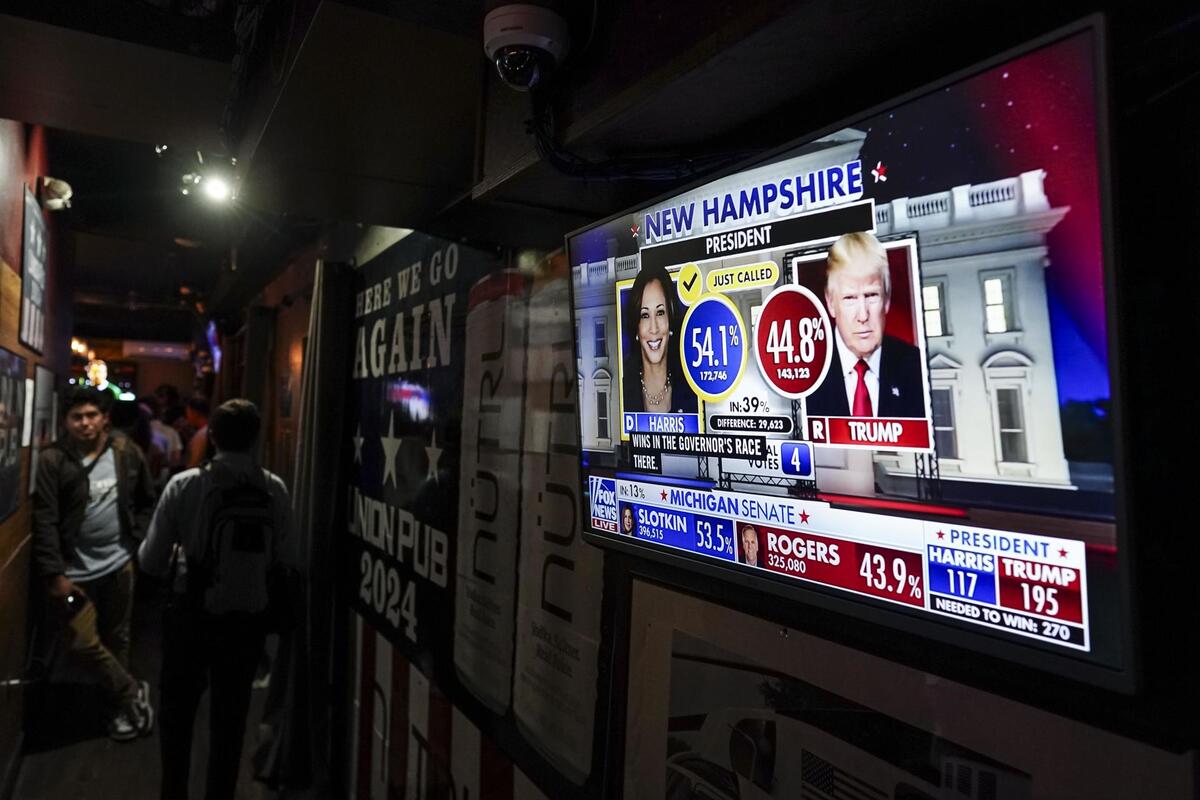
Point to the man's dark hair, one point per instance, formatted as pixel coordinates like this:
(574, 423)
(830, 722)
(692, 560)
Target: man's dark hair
(124, 414)
(234, 425)
(151, 404)
(168, 394)
(199, 404)
(87, 395)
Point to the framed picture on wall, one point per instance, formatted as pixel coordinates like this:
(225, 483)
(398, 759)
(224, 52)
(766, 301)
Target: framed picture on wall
(33, 275)
(724, 704)
(12, 413)
(45, 418)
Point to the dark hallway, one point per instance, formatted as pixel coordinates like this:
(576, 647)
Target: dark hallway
(69, 755)
(565, 399)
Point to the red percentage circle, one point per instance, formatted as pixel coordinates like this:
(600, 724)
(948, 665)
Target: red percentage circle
(792, 341)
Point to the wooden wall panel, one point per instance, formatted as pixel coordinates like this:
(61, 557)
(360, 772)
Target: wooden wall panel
(14, 593)
(15, 529)
(23, 157)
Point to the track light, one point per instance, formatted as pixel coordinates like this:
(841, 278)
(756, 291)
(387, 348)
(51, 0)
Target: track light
(216, 189)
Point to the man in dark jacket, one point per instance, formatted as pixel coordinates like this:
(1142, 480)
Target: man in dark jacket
(92, 503)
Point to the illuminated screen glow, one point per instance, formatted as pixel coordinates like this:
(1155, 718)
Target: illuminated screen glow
(877, 365)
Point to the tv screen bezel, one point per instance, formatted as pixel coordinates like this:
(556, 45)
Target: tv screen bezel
(1122, 675)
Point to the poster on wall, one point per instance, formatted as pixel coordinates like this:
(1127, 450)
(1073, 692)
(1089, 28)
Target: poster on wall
(757, 732)
(12, 412)
(465, 558)
(407, 390)
(45, 418)
(727, 705)
(27, 418)
(33, 276)
(409, 739)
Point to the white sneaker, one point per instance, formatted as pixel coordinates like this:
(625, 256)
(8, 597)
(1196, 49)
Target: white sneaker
(142, 710)
(121, 727)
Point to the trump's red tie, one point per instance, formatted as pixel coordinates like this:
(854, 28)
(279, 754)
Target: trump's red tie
(862, 398)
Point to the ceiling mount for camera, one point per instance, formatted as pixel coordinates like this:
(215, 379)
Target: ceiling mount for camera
(525, 42)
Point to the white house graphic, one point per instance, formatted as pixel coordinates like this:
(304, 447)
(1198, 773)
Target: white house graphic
(983, 257)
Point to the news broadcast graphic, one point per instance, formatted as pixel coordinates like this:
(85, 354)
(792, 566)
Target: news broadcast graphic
(792, 344)
(1023, 583)
(875, 366)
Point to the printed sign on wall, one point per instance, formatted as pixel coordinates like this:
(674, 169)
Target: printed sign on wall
(12, 416)
(33, 275)
(754, 710)
(466, 562)
(45, 418)
(407, 392)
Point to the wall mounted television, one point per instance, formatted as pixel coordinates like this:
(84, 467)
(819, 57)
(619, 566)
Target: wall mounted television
(874, 371)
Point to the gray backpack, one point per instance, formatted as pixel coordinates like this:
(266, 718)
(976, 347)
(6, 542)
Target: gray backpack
(232, 572)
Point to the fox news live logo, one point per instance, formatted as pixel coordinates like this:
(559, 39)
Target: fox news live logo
(604, 503)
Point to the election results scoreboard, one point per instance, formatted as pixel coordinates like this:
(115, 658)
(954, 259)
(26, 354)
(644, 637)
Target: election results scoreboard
(1021, 583)
(872, 371)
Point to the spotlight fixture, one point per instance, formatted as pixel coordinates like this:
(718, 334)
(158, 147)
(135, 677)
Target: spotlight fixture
(216, 188)
(208, 176)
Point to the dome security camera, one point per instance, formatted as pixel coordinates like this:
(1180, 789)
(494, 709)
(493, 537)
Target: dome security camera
(525, 42)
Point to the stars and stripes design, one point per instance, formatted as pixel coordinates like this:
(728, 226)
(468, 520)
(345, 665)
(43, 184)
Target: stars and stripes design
(821, 780)
(409, 742)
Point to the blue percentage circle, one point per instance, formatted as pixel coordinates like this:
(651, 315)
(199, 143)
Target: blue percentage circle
(714, 348)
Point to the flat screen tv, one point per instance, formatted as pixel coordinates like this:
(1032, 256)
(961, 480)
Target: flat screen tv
(873, 371)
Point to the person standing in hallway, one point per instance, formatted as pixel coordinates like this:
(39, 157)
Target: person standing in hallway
(223, 531)
(199, 449)
(166, 438)
(97, 376)
(93, 497)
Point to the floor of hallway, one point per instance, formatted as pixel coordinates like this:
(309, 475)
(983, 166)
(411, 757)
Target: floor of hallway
(69, 756)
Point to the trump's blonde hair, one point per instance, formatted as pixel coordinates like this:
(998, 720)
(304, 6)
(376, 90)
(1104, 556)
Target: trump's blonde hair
(859, 248)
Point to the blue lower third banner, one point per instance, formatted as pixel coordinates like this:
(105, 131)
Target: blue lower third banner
(639, 422)
(962, 573)
(685, 530)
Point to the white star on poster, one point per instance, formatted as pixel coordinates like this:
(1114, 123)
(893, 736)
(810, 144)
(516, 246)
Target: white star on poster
(391, 446)
(358, 443)
(433, 452)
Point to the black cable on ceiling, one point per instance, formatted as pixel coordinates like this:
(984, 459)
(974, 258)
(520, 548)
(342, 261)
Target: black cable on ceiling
(246, 25)
(542, 127)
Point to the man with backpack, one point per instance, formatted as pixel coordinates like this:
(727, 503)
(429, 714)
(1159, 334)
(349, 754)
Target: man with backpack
(222, 531)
